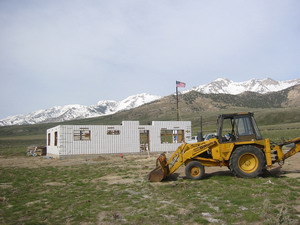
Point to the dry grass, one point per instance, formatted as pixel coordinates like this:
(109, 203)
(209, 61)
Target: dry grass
(114, 190)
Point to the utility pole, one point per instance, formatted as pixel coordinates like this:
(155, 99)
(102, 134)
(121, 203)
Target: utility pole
(200, 132)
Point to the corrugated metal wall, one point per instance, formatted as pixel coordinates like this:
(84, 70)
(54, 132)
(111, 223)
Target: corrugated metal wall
(123, 138)
(157, 126)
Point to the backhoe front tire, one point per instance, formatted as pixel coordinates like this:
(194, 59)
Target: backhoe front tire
(194, 170)
(247, 161)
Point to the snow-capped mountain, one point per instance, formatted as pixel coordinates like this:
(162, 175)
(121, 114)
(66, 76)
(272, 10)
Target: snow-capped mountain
(128, 103)
(71, 112)
(263, 86)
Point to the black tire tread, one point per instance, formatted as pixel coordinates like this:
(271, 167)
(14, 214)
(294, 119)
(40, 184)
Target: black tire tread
(194, 164)
(233, 163)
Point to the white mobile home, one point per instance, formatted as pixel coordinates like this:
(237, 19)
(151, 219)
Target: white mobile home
(129, 137)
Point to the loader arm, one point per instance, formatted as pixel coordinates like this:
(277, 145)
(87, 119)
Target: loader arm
(183, 153)
(186, 152)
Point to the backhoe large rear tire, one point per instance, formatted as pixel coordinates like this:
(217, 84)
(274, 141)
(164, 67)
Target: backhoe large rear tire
(247, 161)
(194, 170)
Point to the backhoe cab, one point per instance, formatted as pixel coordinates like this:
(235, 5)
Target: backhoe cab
(238, 145)
(237, 127)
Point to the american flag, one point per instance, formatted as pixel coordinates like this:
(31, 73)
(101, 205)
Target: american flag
(180, 84)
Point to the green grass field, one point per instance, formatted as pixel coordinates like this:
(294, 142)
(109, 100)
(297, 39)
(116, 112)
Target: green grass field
(114, 190)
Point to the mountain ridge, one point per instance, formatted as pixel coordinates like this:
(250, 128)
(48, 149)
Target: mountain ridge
(262, 86)
(220, 93)
(194, 103)
(76, 111)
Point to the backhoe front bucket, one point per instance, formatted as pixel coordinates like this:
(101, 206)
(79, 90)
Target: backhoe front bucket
(161, 171)
(156, 175)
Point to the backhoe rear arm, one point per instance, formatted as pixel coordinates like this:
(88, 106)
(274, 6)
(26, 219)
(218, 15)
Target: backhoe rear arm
(281, 156)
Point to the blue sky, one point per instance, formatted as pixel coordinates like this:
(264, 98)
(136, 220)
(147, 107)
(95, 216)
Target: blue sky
(56, 52)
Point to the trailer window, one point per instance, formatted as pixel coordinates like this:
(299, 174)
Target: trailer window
(113, 132)
(55, 138)
(82, 135)
(49, 139)
(171, 136)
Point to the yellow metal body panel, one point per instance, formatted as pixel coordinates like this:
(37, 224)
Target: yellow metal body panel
(226, 150)
(211, 162)
(267, 149)
(279, 151)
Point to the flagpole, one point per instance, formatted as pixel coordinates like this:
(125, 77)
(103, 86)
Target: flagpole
(178, 84)
(177, 108)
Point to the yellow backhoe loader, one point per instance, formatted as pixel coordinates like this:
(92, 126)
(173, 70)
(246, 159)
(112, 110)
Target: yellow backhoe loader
(237, 145)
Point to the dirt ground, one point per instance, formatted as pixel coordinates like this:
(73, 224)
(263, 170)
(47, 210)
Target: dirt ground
(291, 168)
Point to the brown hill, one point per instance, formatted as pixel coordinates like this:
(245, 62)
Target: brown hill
(196, 102)
(193, 104)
